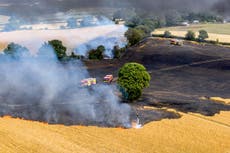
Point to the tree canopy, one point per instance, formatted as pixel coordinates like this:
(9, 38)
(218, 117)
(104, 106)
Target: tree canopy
(16, 51)
(167, 34)
(134, 35)
(202, 35)
(190, 35)
(97, 53)
(59, 49)
(132, 79)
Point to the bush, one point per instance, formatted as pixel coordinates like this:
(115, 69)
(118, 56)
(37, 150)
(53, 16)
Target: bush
(202, 35)
(117, 51)
(167, 34)
(190, 35)
(97, 53)
(132, 79)
(134, 36)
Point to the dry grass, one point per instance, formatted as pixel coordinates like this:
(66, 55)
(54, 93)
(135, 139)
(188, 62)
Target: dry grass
(212, 36)
(215, 31)
(211, 28)
(3, 46)
(222, 100)
(190, 134)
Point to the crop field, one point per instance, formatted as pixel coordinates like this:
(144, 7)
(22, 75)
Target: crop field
(215, 31)
(3, 46)
(189, 134)
(190, 80)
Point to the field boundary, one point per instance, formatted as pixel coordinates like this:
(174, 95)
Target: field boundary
(187, 65)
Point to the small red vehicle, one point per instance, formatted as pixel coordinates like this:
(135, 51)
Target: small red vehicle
(108, 79)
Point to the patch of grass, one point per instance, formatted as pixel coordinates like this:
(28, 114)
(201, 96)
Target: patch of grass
(215, 31)
(210, 28)
(222, 100)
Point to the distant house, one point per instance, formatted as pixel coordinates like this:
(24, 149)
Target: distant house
(119, 21)
(227, 20)
(196, 22)
(185, 23)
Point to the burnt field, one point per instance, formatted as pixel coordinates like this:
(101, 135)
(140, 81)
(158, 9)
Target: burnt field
(183, 77)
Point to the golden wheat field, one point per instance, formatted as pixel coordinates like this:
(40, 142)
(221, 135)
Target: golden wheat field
(190, 134)
(222, 100)
(3, 46)
(215, 31)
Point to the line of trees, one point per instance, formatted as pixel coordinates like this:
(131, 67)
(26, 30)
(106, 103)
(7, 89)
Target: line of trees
(203, 34)
(56, 49)
(167, 18)
(50, 49)
(190, 35)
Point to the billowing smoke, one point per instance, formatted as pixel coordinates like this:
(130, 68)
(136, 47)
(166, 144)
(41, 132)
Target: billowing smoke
(223, 7)
(43, 89)
(38, 7)
(114, 38)
(79, 40)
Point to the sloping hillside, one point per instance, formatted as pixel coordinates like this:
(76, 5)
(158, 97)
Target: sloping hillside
(184, 78)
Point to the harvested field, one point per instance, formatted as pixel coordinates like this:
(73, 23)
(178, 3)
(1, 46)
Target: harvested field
(215, 31)
(209, 27)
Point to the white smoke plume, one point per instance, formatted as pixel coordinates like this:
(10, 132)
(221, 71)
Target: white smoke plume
(109, 40)
(43, 89)
(79, 40)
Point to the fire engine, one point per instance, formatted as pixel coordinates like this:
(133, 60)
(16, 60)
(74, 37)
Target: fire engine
(176, 42)
(88, 82)
(108, 78)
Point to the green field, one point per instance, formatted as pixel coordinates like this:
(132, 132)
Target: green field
(210, 28)
(215, 31)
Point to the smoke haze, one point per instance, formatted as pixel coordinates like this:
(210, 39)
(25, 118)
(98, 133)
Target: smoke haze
(43, 89)
(38, 7)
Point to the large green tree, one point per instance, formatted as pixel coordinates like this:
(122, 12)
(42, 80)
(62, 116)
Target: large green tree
(134, 35)
(132, 79)
(59, 49)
